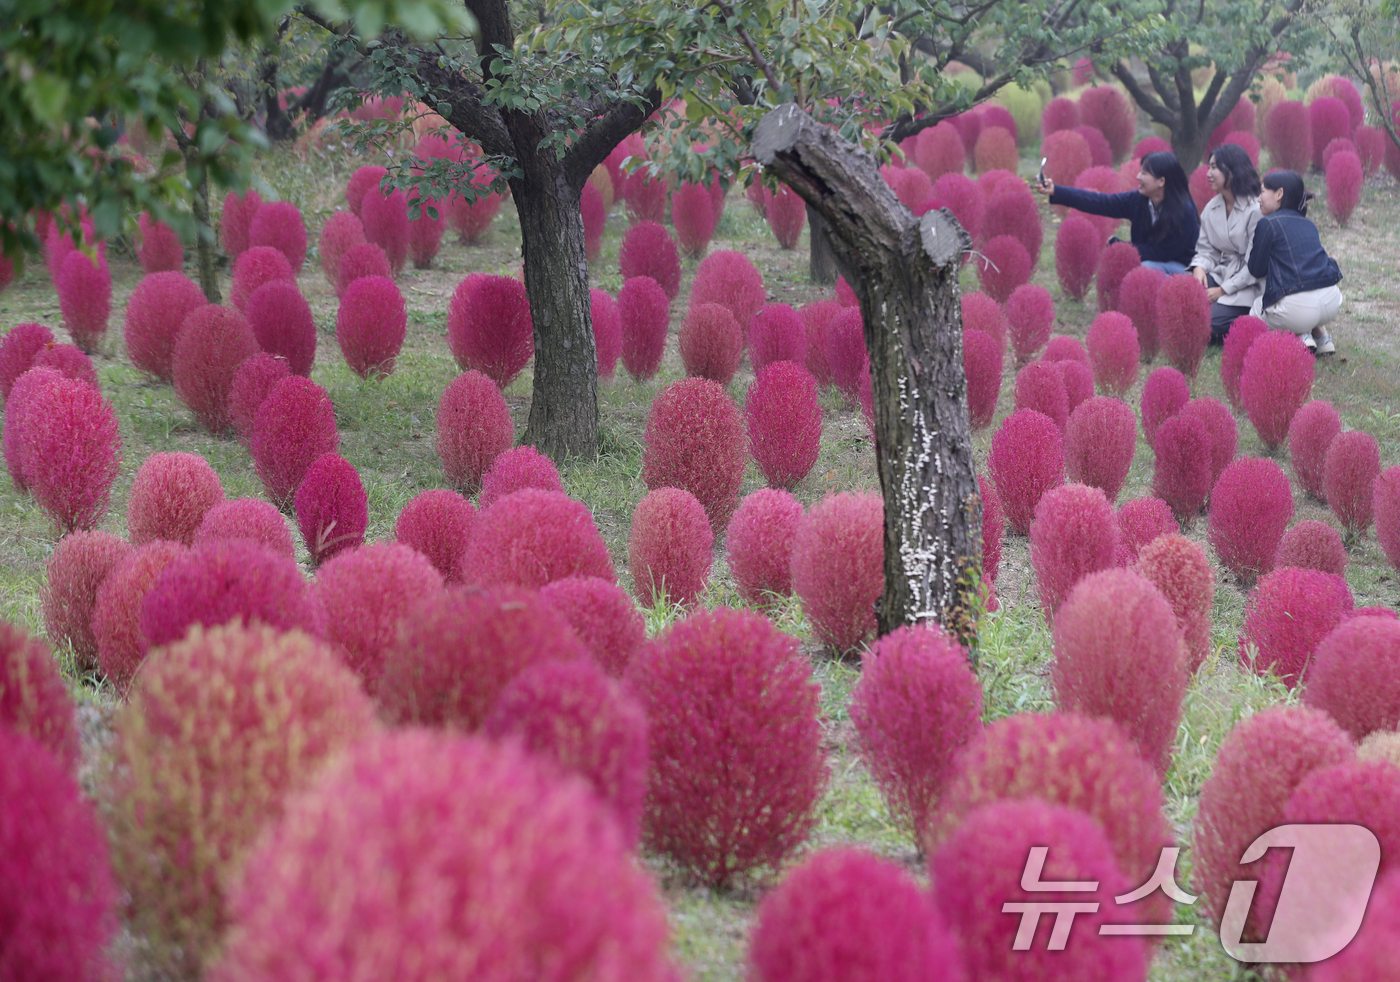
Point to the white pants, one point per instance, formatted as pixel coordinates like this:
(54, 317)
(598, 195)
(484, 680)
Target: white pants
(1301, 313)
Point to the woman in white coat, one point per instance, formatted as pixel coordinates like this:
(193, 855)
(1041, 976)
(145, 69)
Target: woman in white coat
(1221, 262)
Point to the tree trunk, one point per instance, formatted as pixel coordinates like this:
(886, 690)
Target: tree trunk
(564, 407)
(822, 267)
(905, 272)
(205, 241)
(1189, 147)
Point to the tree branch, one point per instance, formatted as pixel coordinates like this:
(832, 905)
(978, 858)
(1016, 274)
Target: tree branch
(1149, 103)
(605, 133)
(760, 62)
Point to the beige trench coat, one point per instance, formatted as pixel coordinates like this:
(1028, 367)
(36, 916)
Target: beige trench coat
(1222, 249)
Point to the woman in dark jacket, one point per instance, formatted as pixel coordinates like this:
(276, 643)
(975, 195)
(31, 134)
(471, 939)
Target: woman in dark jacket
(1301, 292)
(1163, 217)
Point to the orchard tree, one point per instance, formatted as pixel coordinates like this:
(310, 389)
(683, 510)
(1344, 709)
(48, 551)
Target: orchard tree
(1362, 38)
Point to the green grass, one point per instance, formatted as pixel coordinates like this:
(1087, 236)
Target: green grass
(387, 430)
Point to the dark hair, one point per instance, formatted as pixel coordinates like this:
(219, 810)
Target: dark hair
(1295, 196)
(1176, 200)
(1242, 178)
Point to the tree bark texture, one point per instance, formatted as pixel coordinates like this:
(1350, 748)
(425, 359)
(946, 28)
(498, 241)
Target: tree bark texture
(905, 273)
(206, 253)
(822, 261)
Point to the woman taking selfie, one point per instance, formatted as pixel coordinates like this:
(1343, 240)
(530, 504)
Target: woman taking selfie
(1162, 215)
(1227, 229)
(1300, 294)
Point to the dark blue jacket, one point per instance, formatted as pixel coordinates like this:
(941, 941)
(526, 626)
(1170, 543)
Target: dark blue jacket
(1288, 250)
(1153, 244)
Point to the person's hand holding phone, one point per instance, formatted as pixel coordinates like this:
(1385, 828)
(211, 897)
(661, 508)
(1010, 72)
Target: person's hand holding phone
(1043, 184)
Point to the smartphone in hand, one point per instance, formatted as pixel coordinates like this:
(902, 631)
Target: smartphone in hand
(1040, 178)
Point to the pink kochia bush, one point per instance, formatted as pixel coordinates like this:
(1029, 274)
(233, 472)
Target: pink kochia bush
(282, 324)
(516, 469)
(1260, 763)
(360, 183)
(711, 342)
(22, 342)
(169, 498)
(254, 268)
(84, 288)
(982, 365)
(385, 219)
(489, 327)
(220, 729)
(534, 537)
(159, 250)
(1353, 676)
(1139, 522)
(544, 857)
(981, 313)
(1163, 395)
(58, 908)
(473, 429)
(294, 425)
(982, 866)
(72, 577)
(993, 526)
(810, 930)
(371, 326)
(729, 278)
(695, 441)
(237, 216)
(759, 543)
(70, 448)
(247, 518)
(784, 422)
(116, 616)
(736, 759)
(1370, 953)
(1113, 352)
(846, 353)
(693, 217)
(1220, 424)
(1181, 475)
(332, 507)
(1118, 653)
(33, 698)
(1312, 545)
(1344, 177)
(1074, 534)
(1137, 300)
(255, 378)
(1041, 386)
(1003, 266)
(366, 259)
(603, 616)
(786, 213)
(1183, 322)
(1275, 382)
(213, 342)
(571, 713)
(918, 703)
(1179, 568)
(670, 548)
(645, 313)
(1250, 509)
(816, 318)
(1310, 434)
(438, 524)
(1237, 343)
(838, 560)
(648, 250)
(1078, 245)
(777, 334)
(279, 224)
(1289, 612)
(227, 580)
(1117, 261)
(25, 392)
(342, 232)
(607, 331)
(1349, 470)
(1100, 439)
(1385, 506)
(69, 361)
(1027, 459)
(1030, 316)
(155, 312)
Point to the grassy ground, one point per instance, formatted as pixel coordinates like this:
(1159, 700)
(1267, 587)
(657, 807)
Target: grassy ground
(387, 431)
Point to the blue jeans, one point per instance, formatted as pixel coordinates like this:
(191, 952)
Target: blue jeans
(1171, 269)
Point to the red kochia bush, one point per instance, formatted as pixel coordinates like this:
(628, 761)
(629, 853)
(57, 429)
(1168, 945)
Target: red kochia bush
(647, 250)
(473, 429)
(294, 425)
(247, 518)
(594, 212)
(1041, 387)
(360, 183)
(784, 423)
(534, 537)
(1385, 506)
(1003, 266)
(916, 706)
(70, 448)
(1344, 177)
(1100, 153)
(159, 250)
(759, 544)
(964, 199)
(670, 547)
(555, 867)
(1137, 300)
(604, 617)
(516, 469)
(22, 396)
(438, 524)
(1118, 653)
(255, 378)
(74, 573)
(736, 760)
(155, 312)
(1224, 436)
(1288, 135)
(33, 699)
(1117, 261)
(816, 318)
(777, 334)
(169, 498)
(116, 616)
(1063, 347)
(1059, 114)
(982, 866)
(1250, 509)
(1183, 322)
(58, 908)
(1370, 144)
(1027, 459)
(695, 441)
(994, 150)
(489, 327)
(809, 929)
(1108, 109)
(1077, 248)
(1139, 522)
(939, 150)
(69, 361)
(1100, 439)
(993, 525)
(607, 331)
(729, 278)
(786, 213)
(837, 563)
(255, 267)
(1179, 568)
(212, 343)
(84, 288)
(385, 219)
(1113, 351)
(371, 326)
(366, 592)
(1370, 953)
(1012, 210)
(711, 342)
(1074, 534)
(1328, 119)
(282, 324)
(1275, 381)
(1260, 762)
(693, 217)
(1199, 185)
(1310, 434)
(1353, 676)
(1030, 316)
(981, 313)
(1163, 395)
(1349, 470)
(1289, 612)
(1181, 475)
(425, 233)
(237, 216)
(366, 259)
(332, 508)
(645, 313)
(982, 366)
(342, 232)
(1312, 545)
(22, 343)
(279, 224)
